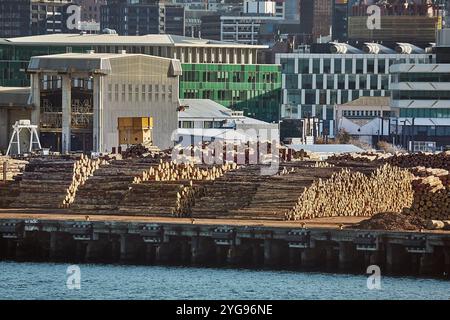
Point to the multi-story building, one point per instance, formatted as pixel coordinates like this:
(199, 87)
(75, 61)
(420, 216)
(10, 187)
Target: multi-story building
(254, 89)
(226, 72)
(33, 17)
(316, 18)
(90, 9)
(412, 21)
(210, 27)
(15, 18)
(244, 28)
(420, 93)
(312, 83)
(141, 17)
(340, 20)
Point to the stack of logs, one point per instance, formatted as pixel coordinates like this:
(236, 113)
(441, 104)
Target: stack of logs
(82, 170)
(106, 188)
(347, 193)
(52, 182)
(431, 194)
(9, 191)
(11, 168)
(169, 188)
(438, 160)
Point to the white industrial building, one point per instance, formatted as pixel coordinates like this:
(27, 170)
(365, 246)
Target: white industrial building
(78, 98)
(205, 120)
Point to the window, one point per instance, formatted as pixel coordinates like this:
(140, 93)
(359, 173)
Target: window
(130, 92)
(136, 93)
(116, 92)
(150, 92)
(144, 94)
(123, 92)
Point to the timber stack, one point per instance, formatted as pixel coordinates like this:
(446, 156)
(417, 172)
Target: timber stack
(10, 168)
(52, 182)
(9, 191)
(169, 189)
(106, 188)
(431, 194)
(348, 193)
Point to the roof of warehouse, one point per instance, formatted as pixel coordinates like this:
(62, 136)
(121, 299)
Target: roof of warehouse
(84, 61)
(14, 97)
(369, 102)
(203, 108)
(114, 39)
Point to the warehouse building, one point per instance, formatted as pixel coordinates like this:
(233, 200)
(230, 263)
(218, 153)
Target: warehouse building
(80, 100)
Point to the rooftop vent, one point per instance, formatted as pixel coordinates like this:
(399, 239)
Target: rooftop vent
(122, 51)
(90, 51)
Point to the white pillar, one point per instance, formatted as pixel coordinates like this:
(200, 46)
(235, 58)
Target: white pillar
(66, 113)
(97, 133)
(35, 99)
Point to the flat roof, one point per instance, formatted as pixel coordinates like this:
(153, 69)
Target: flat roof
(203, 108)
(84, 62)
(14, 97)
(114, 39)
(369, 102)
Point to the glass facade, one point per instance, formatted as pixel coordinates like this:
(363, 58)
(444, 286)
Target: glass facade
(14, 61)
(254, 89)
(425, 113)
(313, 82)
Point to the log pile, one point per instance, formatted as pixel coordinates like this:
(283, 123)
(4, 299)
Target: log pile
(169, 189)
(245, 193)
(11, 168)
(437, 160)
(53, 182)
(9, 192)
(141, 151)
(106, 188)
(431, 194)
(348, 193)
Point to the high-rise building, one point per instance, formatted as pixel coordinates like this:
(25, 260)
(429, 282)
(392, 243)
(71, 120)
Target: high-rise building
(141, 17)
(15, 18)
(33, 17)
(90, 9)
(340, 21)
(414, 22)
(316, 19)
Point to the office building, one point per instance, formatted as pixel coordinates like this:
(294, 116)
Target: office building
(313, 83)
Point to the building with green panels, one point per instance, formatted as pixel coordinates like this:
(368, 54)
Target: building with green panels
(14, 60)
(254, 89)
(227, 73)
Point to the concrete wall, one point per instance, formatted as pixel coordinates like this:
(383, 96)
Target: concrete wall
(134, 73)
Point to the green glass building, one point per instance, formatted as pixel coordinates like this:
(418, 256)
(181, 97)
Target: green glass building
(254, 89)
(227, 73)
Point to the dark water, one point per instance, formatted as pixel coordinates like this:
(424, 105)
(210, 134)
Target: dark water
(48, 281)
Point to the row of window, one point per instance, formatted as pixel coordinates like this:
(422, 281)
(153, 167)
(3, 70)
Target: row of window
(345, 65)
(341, 81)
(421, 77)
(136, 93)
(420, 95)
(225, 76)
(361, 113)
(330, 96)
(205, 124)
(425, 113)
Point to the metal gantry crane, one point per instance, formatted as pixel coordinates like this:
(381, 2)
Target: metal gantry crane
(15, 138)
